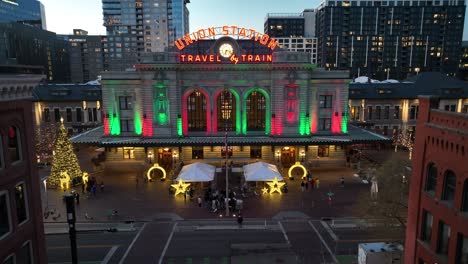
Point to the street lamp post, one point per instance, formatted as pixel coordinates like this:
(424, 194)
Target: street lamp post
(174, 158)
(278, 156)
(302, 155)
(150, 155)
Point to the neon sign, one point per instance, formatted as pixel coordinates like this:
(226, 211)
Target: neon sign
(211, 58)
(235, 31)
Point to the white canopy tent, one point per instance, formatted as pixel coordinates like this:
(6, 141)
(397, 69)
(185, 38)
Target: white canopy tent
(197, 172)
(261, 171)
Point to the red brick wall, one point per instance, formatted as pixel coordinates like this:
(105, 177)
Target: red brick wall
(441, 138)
(19, 113)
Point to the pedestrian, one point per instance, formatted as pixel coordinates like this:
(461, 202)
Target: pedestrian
(317, 183)
(199, 199)
(240, 219)
(342, 181)
(306, 185)
(77, 197)
(185, 196)
(302, 186)
(83, 188)
(102, 186)
(312, 184)
(93, 189)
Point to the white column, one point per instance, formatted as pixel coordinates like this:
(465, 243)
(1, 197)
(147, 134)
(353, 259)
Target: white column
(422, 22)
(362, 17)
(425, 55)
(396, 51)
(376, 20)
(411, 52)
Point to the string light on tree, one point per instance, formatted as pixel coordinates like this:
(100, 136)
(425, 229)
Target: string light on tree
(63, 160)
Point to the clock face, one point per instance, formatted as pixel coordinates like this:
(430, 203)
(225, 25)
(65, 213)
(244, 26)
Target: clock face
(226, 50)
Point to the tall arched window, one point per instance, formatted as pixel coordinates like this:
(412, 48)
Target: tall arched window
(256, 111)
(450, 182)
(196, 111)
(465, 197)
(14, 144)
(431, 179)
(226, 105)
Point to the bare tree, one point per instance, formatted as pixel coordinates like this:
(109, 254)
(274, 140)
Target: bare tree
(44, 137)
(404, 139)
(388, 207)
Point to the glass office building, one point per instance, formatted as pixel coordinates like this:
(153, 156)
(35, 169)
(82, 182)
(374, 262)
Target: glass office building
(30, 12)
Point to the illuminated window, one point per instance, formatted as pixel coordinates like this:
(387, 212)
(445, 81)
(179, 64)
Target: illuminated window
(226, 105)
(196, 111)
(256, 111)
(21, 202)
(197, 152)
(14, 144)
(323, 151)
(128, 153)
(355, 111)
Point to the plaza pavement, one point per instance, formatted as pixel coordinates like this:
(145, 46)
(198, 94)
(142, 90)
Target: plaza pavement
(148, 201)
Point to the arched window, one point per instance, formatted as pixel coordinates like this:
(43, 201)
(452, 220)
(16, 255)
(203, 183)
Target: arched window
(465, 197)
(14, 144)
(196, 111)
(431, 179)
(226, 105)
(450, 181)
(256, 111)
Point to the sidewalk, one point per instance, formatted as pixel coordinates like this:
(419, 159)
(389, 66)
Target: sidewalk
(62, 228)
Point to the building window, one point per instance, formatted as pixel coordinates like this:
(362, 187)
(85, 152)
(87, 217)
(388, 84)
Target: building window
(426, 229)
(78, 115)
(462, 249)
(125, 103)
(128, 153)
(5, 220)
(431, 179)
(355, 112)
(25, 254)
(378, 112)
(443, 238)
(57, 114)
(69, 115)
(448, 193)
(196, 111)
(197, 152)
(94, 114)
(90, 115)
(255, 152)
(414, 112)
(387, 112)
(10, 259)
(126, 125)
(369, 113)
(226, 103)
(465, 197)
(325, 101)
(46, 115)
(223, 151)
(323, 151)
(2, 162)
(324, 124)
(256, 111)
(21, 203)
(450, 108)
(14, 144)
(465, 109)
(396, 112)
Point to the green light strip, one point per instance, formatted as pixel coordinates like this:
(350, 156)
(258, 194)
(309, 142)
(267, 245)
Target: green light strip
(344, 123)
(179, 126)
(137, 123)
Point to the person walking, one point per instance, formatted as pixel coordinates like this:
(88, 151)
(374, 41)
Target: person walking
(102, 186)
(83, 188)
(240, 219)
(317, 183)
(302, 186)
(199, 199)
(93, 189)
(185, 196)
(312, 184)
(306, 185)
(342, 181)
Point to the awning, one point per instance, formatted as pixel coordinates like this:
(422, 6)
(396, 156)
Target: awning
(261, 171)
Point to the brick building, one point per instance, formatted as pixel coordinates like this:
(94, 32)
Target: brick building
(437, 230)
(21, 227)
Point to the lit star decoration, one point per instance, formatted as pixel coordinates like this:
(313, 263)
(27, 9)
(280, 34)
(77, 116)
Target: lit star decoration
(264, 190)
(275, 186)
(180, 187)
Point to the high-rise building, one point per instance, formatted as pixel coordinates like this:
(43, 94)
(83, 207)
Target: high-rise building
(135, 26)
(26, 45)
(390, 39)
(21, 227)
(463, 67)
(294, 32)
(437, 229)
(30, 12)
(88, 55)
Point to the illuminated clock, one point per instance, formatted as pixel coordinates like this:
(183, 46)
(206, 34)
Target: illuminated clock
(226, 50)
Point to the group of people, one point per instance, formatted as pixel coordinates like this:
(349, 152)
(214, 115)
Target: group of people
(217, 200)
(91, 185)
(314, 183)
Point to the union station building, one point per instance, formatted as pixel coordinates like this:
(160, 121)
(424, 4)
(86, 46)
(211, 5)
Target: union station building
(269, 104)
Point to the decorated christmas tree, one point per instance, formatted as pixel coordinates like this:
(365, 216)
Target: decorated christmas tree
(63, 160)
